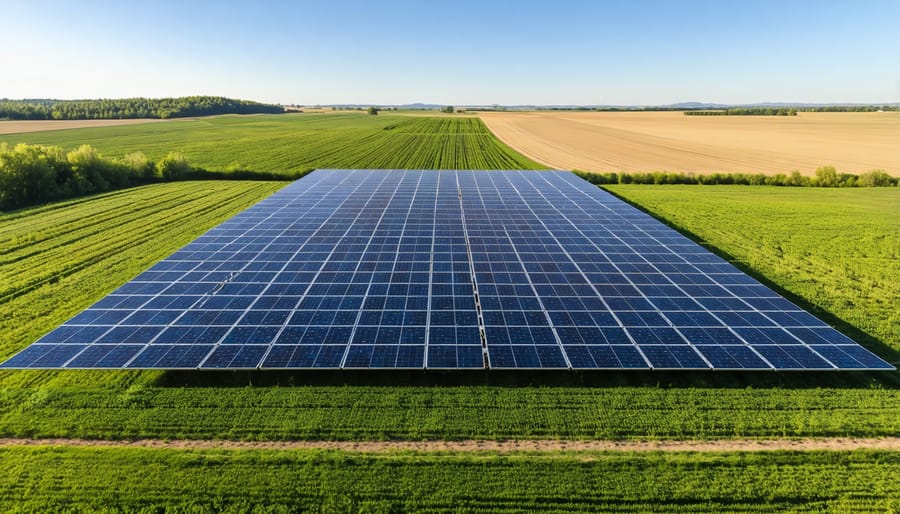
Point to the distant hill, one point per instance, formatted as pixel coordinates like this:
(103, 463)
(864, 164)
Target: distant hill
(680, 106)
(420, 106)
(127, 108)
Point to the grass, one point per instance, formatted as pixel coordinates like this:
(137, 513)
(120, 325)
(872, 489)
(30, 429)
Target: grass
(60, 258)
(122, 405)
(291, 143)
(46, 479)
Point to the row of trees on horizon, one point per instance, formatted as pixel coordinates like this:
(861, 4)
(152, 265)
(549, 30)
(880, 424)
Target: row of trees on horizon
(129, 108)
(747, 111)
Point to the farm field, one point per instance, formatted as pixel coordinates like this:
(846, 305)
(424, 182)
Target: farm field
(670, 141)
(132, 479)
(289, 143)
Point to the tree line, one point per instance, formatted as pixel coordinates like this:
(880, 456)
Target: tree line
(122, 108)
(788, 111)
(35, 174)
(826, 176)
(851, 108)
(747, 111)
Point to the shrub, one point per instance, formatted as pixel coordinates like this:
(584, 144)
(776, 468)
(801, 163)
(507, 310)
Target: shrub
(875, 178)
(173, 166)
(139, 165)
(827, 176)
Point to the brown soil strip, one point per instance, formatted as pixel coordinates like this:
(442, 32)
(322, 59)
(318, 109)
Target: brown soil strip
(19, 127)
(532, 445)
(671, 141)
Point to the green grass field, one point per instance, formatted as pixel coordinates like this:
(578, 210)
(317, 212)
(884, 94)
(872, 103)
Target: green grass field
(290, 143)
(132, 479)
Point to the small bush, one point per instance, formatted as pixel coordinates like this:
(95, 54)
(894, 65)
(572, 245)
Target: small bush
(139, 165)
(173, 167)
(875, 178)
(827, 176)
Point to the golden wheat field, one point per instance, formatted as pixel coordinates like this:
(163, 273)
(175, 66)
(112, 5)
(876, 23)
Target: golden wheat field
(671, 141)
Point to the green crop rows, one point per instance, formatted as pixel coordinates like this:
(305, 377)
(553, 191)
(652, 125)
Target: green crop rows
(133, 479)
(291, 143)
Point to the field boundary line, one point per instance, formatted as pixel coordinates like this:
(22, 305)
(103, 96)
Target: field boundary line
(507, 446)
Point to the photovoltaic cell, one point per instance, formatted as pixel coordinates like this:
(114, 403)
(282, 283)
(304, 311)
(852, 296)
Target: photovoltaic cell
(407, 269)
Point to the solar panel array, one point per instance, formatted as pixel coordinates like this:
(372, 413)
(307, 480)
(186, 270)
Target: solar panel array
(444, 270)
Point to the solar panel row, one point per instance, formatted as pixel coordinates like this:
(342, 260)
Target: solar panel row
(444, 270)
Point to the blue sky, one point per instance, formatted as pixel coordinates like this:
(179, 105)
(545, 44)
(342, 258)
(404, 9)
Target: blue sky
(459, 52)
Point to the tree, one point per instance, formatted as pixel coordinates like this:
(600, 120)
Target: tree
(87, 168)
(373, 111)
(28, 174)
(448, 109)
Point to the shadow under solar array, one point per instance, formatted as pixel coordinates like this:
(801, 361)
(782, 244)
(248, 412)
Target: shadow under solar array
(413, 269)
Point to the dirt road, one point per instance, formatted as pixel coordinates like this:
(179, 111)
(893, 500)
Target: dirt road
(533, 445)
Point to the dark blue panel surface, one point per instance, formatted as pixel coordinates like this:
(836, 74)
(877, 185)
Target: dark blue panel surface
(44, 356)
(105, 356)
(389, 269)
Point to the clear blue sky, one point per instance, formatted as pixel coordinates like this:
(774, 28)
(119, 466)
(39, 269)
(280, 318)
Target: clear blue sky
(455, 52)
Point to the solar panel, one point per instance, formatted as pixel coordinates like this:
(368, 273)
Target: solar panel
(405, 269)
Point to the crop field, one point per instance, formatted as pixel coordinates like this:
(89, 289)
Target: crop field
(289, 143)
(132, 479)
(669, 141)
